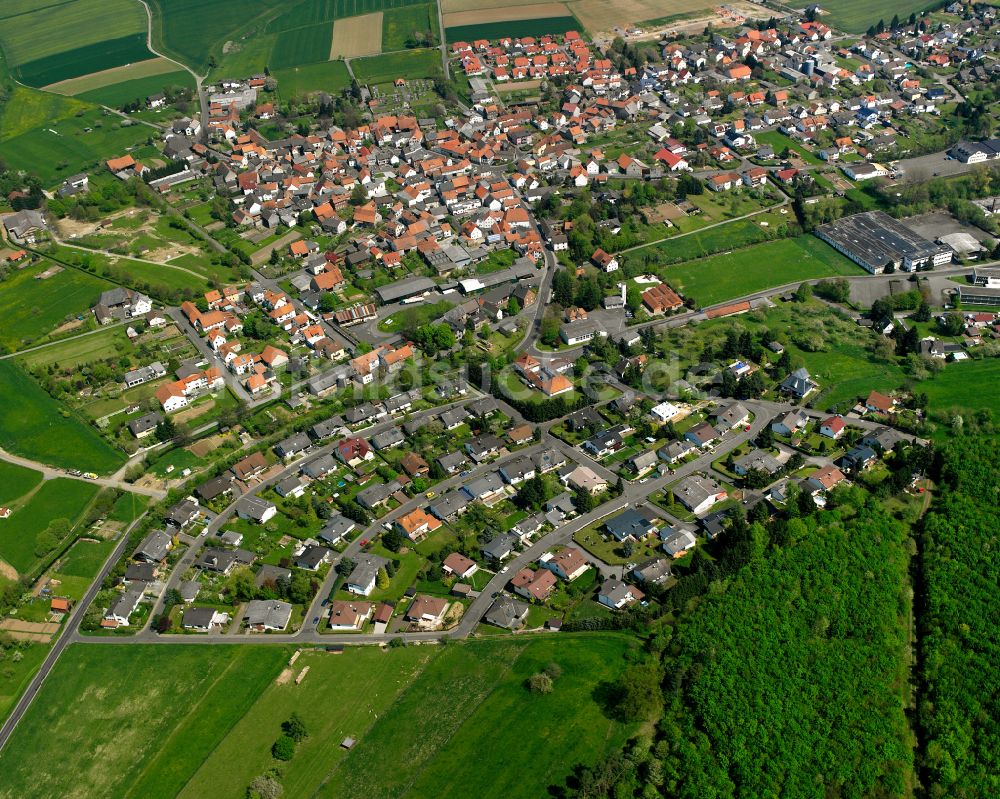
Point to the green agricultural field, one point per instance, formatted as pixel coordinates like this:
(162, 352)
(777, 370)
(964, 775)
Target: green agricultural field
(302, 46)
(381, 677)
(16, 481)
(184, 31)
(77, 138)
(119, 94)
(35, 426)
(329, 76)
(856, 16)
(469, 727)
(56, 499)
(458, 717)
(48, 42)
(309, 12)
(128, 508)
(398, 26)
(133, 721)
(724, 277)
(85, 558)
(958, 388)
(517, 27)
(100, 345)
(33, 308)
(409, 64)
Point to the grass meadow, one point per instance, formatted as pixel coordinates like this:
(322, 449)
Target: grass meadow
(118, 94)
(85, 558)
(327, 76)
(60, 498)
(724, 277)
(958, 388)
(132, 721)
(16, 481)
(74, 352)
(195, 721)
(33, 308)
(35, 426)
(75, 138)
(856, 16)
(398, 25)
(409, 64)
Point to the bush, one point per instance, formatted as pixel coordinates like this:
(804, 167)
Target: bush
(284, 748)
(540, 683)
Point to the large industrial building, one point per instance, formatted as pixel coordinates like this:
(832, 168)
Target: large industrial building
(875, 241)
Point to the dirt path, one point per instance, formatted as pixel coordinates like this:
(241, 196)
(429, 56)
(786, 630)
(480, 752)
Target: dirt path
(7, 571)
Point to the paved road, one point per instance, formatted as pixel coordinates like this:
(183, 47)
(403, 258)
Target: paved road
(68, 635)
(202, 99)
(50, 473)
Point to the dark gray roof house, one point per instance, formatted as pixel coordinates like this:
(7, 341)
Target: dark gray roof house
(154, 547)
(656, 571)
(388, 439)
(215, 487)
(449, 505)
(336, 527)
(145, 424)
(630, 523)
(452, 462)
(313, 557)
(293, 445)
(506, 612)
(501, 547)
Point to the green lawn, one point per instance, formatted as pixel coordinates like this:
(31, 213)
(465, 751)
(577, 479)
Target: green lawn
(409, 319)
(33, 308)
(131, 720)
(16, 481)
(159, 280)
(35, 426)
(779, 141)
(724, 277)
(732, 235)
(56, 499)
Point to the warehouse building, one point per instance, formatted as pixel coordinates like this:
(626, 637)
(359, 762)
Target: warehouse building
(875, 241)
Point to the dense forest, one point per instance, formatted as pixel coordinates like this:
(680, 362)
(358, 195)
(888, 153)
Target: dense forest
(788, 681)
(788, 675)
(959, 707)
